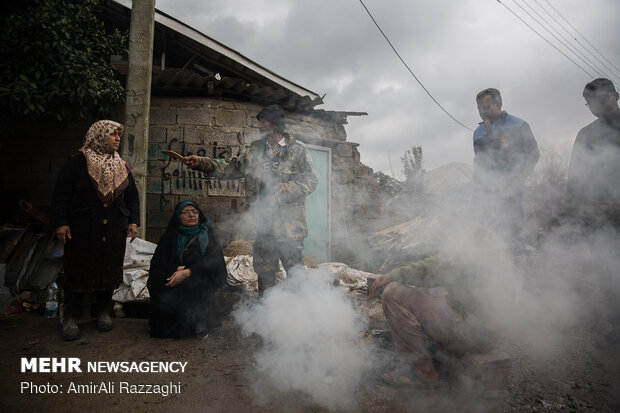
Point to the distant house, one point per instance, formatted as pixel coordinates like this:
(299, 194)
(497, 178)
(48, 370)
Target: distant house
(204, 100)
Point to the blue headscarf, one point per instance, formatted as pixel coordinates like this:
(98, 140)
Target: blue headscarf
(187, 233)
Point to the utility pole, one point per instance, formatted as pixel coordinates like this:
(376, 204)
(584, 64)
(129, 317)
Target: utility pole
(138, 99)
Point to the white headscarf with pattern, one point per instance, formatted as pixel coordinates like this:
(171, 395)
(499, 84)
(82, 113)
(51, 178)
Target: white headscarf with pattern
(107, 171)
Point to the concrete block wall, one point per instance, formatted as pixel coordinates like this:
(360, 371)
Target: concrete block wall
(210, 127)
(33, 156)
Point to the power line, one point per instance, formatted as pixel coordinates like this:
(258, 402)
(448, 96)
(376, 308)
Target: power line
(544, 38)
(582, 36)
(566, 42)
(411, 71)
(574, 38)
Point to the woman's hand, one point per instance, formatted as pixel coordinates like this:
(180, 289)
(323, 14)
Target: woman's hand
(63, 233)
(178, 277)
(132, 232)
(382, 281)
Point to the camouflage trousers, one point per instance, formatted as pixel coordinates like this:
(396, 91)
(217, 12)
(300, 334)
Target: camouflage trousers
(268, 252)
(421, 318)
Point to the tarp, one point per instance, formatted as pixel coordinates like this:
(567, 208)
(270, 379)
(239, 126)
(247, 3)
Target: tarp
(241, 272)
(138, 256)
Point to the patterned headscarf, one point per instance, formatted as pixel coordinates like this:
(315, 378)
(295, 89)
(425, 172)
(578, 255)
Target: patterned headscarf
(107, 171)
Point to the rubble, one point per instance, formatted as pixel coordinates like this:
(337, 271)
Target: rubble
(407, 242)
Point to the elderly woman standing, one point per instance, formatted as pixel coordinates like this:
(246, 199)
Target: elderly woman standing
(95, 207)
(186, 269)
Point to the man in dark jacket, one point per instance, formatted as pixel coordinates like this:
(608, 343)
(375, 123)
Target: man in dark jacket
(279, 176)
(505, 155)
(594, 171)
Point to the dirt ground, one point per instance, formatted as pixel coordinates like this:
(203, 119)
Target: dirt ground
(220, 375)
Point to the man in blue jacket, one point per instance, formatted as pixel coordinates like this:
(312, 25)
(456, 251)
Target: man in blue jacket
(505, 155)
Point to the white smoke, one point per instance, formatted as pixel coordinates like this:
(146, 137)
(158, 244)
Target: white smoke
(311, 339)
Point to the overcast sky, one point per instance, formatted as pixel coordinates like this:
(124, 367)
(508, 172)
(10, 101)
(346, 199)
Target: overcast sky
(455, 48)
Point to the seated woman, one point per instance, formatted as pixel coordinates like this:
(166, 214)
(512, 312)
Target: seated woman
(188, 265)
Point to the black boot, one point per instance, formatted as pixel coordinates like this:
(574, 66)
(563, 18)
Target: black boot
(70, 329)
(104, 309)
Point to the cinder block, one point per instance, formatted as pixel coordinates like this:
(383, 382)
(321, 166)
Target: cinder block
(228, 118)
(174, 134)
(45, 181)
(56, 164)
(193, 135)
(40, 197)
(153, 234)
(193, 116)
(344, 150)
(155, 168)
(162, 116)
(157, 134)
(156, 218)
(17, 164)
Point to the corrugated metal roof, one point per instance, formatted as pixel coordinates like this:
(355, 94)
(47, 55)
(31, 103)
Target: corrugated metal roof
(186, 53)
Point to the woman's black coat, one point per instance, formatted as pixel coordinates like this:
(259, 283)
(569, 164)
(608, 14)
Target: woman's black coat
(189, 308)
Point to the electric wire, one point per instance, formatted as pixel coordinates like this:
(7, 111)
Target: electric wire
(565, 42)
(544, 38)
(582, 36)
(411, 71)
(576, 39)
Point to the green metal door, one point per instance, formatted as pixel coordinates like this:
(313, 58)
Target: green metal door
(317, 245)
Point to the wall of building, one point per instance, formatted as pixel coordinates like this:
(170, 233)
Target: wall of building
(213, 127)
(32, 158)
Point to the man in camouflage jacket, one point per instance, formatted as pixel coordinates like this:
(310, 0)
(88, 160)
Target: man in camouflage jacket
(279, 176)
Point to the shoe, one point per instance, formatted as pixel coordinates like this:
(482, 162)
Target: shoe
(104, 322)
(70, 330)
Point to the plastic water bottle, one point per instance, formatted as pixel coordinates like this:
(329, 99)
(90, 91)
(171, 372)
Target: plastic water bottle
(51, 304)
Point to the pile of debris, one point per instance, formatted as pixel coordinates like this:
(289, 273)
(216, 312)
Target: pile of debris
(408, 242)
(31, 258)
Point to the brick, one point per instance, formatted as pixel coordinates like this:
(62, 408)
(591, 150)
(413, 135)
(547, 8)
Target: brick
(193, 116)
(174, 134)
(193, 135)
(344, 150)
(162, 116)
(230, 118)
(45, 148)
(158, 203)
(45, 181)
(153, 234)
(154, 168)
(210, 135)
(153, 202)
(154, 152)
(157, 134)
(156, 185)
(17, 164)
(155, 218)
(56, 164)
(23, 181)
(40, 197)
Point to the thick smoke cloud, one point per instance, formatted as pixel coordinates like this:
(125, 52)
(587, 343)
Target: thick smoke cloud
(311, 339)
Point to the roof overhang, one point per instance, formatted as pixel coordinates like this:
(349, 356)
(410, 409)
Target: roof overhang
(184, 30)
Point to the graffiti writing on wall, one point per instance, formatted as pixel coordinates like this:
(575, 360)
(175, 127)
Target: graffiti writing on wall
(178, 179)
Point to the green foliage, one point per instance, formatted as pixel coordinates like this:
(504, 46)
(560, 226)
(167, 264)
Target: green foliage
(56, 61)
(412, 167)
